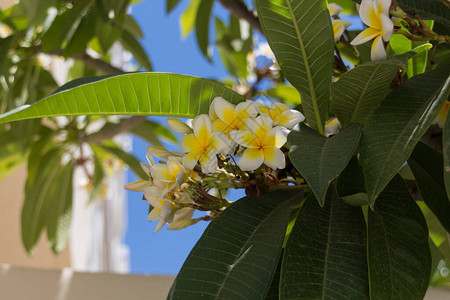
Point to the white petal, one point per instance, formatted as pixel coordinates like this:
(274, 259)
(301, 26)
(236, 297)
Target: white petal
(158, 151)
(150, 158)
(365, 36)
(387, 27)
(334, 9)
(220, 143)
(208, 161)
(202, 126)
(367, 13)
(274, 158)
(290, 118)
(178, 126)
(145, 167)
(247, 109)
(190, 160)
(160, 225)
(138, 186)
(276, 137)
(378, 52)
(224, 110)
(251, 159)
(383, 6)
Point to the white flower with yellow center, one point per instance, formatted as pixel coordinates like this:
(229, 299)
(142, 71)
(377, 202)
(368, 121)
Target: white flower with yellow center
(163, 209)
(203, 145)
(281, 114)
(172, 173)
(140, 185)
(375, 14)
(263, 143)
(332, 127)
(230, 116)
(183, 216)
(339, 25)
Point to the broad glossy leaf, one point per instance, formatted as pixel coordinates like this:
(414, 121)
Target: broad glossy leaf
(273, 293)
(159, 94)
(130, 25)
(426, 165)
(446, 153)
(202, 26)
(37, 193)
(350, 184)
(130, 43)
(325, 256)
(393, 130)
(127, 158)
(82, 35)
(360, 91)
(301, 37)
(319, 159)
(238, 253)
(59, 208)
(427, 9)
(398, 253)
(187, 20)
(285, 93)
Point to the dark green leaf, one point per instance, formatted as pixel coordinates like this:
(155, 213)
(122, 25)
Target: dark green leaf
(446, 152)
(107, 33)
(426, 164)
(5, 45)
(301, 37)
(325, 257)
(274, 290)
(319, 159)
(127, 158)
(83, 34)
(392, 131)
(59, 208)
(130, 43)
(73, 18)
(202, 27)
(238, 253)
(398, 253)
(130, 25)
(360, 91)
(97, 178)
(36, 10)
(171, 4)
(158, 94)
(36, 195)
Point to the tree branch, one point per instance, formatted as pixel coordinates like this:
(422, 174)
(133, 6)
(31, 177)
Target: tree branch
(98, 64)
(109, 132)
(241, 11)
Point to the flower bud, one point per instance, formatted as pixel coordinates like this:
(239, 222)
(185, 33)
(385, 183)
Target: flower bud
(178, 126)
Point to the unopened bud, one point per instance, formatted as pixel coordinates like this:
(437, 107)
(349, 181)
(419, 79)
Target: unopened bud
(178, 126)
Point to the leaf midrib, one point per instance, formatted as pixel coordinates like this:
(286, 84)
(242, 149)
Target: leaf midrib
(308, 71)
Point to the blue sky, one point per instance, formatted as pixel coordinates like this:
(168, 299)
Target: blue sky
(165, 251)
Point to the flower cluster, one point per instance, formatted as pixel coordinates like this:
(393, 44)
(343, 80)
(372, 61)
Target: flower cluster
(249, 132)
(339, 26)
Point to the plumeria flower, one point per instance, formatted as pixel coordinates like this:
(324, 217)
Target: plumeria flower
(263, 143)
(230, 116)
(163, 209)
(332, 127)
(179, 126)
(140, 185)
(442, 115)
(375, 14)
(339, 25)
(183, 216)
(281, 114)
(173, 173)
(162, 152)
(203, 145)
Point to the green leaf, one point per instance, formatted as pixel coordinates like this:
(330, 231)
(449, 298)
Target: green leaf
(393, 130)
(5, 46)
(187, 20)
(36, 10)
(273, 293)
(152, 131)
(59, 208)
(202, 27)
(350, 184)
(285, 93)
(107, 33)
(319, 159)
(398, 253)
(171, 4)
(426, 165)
(237, 255)
(130, 25)
(37, 191)
(127, 158)
(158, 94)
(301, 37)
(83, 34)
(325, 256)
(97, 178)
(360, 91)
(446, 152)
(130, 43)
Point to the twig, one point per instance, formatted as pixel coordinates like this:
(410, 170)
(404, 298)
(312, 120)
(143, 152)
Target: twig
(240, 10)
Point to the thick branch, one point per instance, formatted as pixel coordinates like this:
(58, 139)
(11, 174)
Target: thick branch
(113, 130)
(241, 11)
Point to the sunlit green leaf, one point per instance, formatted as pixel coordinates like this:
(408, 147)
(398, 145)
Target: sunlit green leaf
(202, 26)
(130, 43)
(319, 159)
(301, 37)
(187, 20)
(285, 93)
(238, 253)
(392, 131)
(159, 94)
(325, 257)
(152, 132)
(398, 253)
